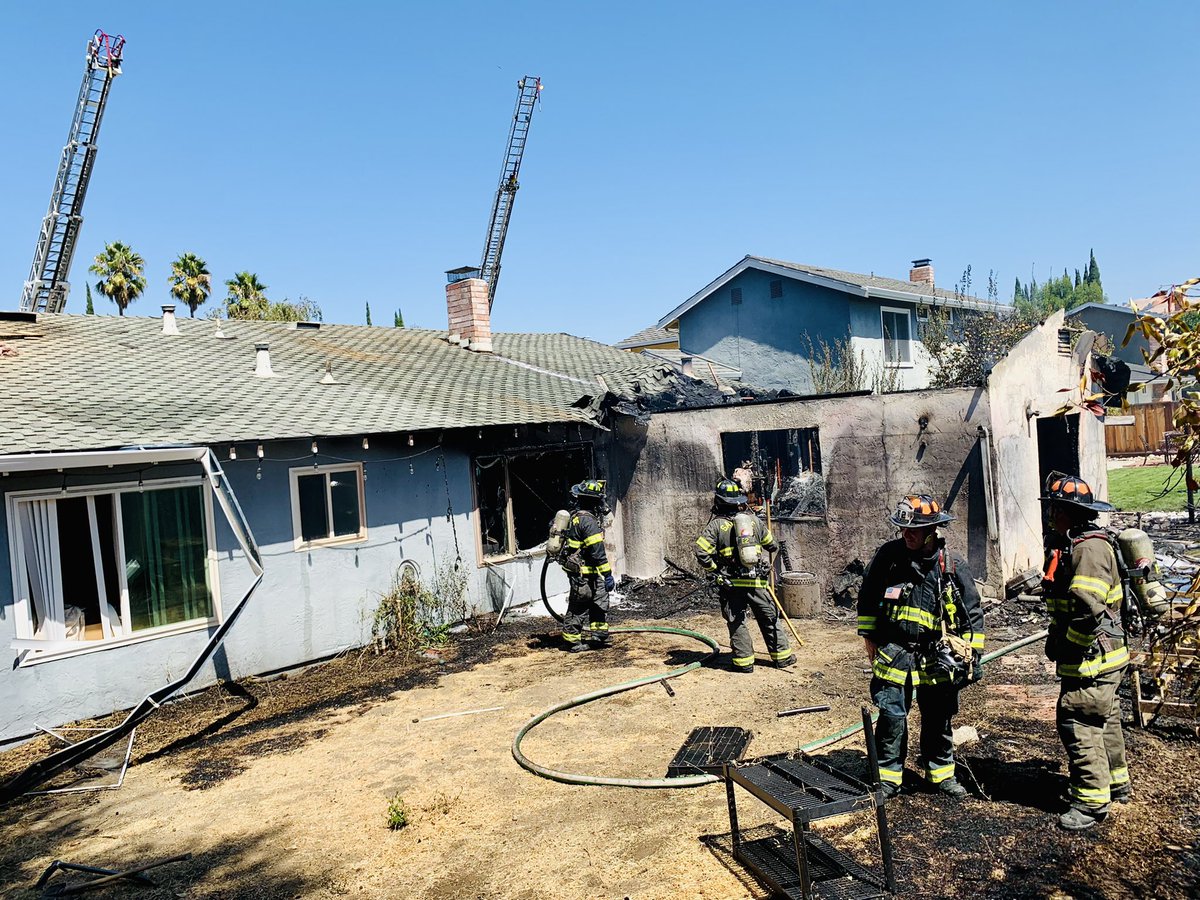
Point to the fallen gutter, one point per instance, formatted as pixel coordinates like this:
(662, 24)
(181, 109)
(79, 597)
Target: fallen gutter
(51, 765)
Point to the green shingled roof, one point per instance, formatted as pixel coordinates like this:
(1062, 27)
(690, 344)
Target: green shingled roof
(93, 382)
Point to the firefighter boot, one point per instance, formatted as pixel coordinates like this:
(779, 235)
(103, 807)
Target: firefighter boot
(950, 788)
(1076, 819)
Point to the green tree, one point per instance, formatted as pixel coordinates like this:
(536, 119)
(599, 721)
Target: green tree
(190, 281)
(1018, 291)
(247, 297)
(368, 312)
(91, 310)
(1077, 279)
(398, 320)
(1093, 271)
(120, 270)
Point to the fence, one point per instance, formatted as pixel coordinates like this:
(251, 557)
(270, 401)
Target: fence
(1147, 434)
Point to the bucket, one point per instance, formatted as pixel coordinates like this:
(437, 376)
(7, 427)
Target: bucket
(800, 594)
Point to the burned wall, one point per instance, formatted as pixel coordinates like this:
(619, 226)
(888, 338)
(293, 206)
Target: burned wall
(873, 450)
(1037, 377)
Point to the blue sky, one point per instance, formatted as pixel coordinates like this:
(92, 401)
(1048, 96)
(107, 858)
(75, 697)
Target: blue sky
(348, 153)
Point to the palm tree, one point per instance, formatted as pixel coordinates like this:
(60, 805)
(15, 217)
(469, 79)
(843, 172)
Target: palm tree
(247, 297)
(120, 271)
(190, 281)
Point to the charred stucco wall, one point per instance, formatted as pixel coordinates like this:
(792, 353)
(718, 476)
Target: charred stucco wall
(873, 450)
(1025, 388)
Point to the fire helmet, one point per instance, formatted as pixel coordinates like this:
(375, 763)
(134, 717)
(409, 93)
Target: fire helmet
(588, 491)
(729, 493)
(1073, 490)
(919, 511)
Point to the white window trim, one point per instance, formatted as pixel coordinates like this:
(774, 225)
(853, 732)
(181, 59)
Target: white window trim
(32, 655)
(907, 313)
(298, 541)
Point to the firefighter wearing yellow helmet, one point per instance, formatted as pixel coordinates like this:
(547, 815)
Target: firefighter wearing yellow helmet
(921, 621)
(1083, 589)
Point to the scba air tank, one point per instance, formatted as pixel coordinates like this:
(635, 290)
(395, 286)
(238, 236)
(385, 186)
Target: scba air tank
(1144, 576)
(749, 550)
(558, 530)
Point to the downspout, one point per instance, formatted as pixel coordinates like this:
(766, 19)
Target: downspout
(989, 503)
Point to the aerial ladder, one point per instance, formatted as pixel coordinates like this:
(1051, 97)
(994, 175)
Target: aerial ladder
(529, 90)
(47, 287)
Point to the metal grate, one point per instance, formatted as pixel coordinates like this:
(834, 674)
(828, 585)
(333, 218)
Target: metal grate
(735, 296)
(776, 288)
(707, 749)
(835, 876)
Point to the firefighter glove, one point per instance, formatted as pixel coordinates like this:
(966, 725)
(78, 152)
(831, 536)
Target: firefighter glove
(609, 582)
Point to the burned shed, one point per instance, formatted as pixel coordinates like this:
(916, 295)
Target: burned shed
(837, 464)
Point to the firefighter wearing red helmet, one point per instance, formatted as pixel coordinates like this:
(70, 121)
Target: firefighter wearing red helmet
(1084, 590)
(922, 623)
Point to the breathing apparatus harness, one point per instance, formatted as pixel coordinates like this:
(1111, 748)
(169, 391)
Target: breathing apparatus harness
(943, 652)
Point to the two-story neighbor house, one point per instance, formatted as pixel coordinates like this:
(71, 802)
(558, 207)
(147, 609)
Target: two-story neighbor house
(764, 317)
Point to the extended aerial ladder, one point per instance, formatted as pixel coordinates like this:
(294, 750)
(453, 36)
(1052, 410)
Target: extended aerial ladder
(528, 90)
(47, 287)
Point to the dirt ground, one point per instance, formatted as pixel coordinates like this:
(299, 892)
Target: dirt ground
(281, 788)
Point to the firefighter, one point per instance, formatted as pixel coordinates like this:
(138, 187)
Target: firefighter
(588, 570)
(730, 550)
(921, 621)
(1083, 590)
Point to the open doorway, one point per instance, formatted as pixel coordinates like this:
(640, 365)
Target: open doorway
(1058, 448)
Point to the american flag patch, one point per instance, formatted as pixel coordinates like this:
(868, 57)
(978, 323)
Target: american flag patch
(895, 592)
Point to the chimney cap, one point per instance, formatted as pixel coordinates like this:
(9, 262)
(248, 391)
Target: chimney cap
(917, 263)
(462, 273)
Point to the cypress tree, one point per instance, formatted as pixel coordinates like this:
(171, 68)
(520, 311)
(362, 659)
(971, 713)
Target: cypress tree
(91, 310)
(1017, 294)
(1093, 275)
(1077, 278)
(368, 313)
(399, 319)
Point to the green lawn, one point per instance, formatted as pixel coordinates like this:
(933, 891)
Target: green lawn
(1136, 489)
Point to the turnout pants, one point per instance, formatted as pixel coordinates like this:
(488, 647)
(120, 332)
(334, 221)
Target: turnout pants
(938, 704)
(735, 604)
(587, 611)
(1089, 724)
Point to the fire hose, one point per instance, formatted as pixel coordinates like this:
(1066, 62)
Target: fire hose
(685, 780)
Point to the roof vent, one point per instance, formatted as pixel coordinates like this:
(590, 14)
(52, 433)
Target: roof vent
(328, 378)
(169, 324)
(306, 326)
(17, 315)
(262, 361)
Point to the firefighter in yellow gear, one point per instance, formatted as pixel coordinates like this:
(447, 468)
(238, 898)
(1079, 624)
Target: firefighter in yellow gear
(1084, 591)
(585, 626)
(743, 590)
(921, 621)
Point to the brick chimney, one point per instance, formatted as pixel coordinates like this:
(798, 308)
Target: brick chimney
(467, 309)
(921, 272)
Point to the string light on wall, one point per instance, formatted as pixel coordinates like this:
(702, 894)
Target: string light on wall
(366, 444)
(410, 440)
(260, 451)
(233, 452)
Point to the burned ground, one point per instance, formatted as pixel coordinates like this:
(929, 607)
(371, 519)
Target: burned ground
(279, 787)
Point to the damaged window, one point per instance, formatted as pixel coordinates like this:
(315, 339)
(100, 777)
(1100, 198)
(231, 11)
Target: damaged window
(111, 564)
(519, 492)
(781, 466)
(327, 505)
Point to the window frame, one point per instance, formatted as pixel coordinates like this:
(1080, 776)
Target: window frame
(900, 311)
(505, 456)
(23, 614)
(299, 544)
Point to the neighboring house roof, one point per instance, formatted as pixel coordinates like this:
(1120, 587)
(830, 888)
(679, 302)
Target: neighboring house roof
(715, 373)
(1108, 307)
(866, 286)
(648, 336)
(92, 382)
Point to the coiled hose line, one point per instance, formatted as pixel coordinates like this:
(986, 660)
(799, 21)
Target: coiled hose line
(683, 781)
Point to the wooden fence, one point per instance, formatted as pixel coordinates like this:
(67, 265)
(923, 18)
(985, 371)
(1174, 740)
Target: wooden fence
(1147, 434)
